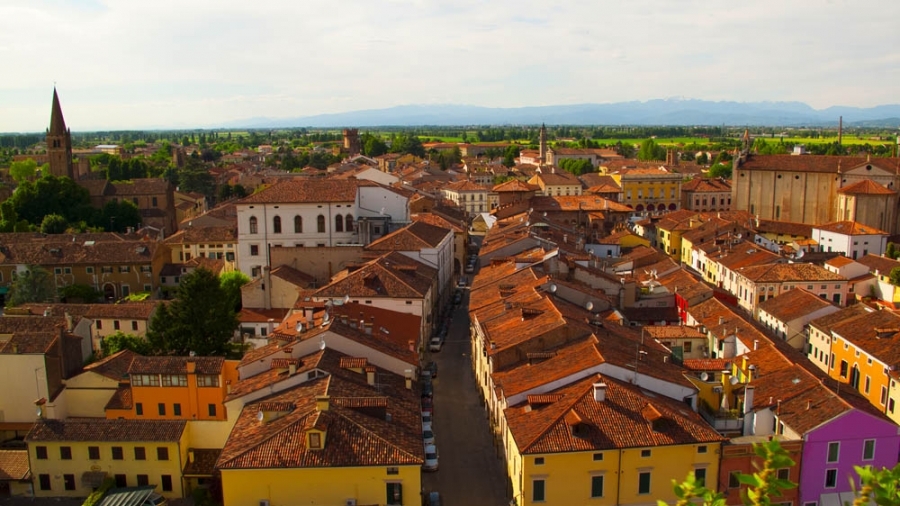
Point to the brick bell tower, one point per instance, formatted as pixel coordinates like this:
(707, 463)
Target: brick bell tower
(59, 142)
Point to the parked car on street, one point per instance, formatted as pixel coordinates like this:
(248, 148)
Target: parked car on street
(435, 344)
(431, 458)
(428, 405)
(432, 368)
(433, 499)
(457, 298)
(428, 436)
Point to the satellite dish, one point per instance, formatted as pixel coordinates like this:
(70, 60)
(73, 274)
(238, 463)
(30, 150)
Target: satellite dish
(260, 415)
(553, 288)
(322, 343)
(734, 380)
(589, 305)
(346, 299)
(704, 376)
(326, 318)
(299, 327)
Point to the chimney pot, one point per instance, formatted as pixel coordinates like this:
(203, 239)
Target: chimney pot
(322, 402)
(599, 392)
(368, 329)
(370, 377)
(292, 369)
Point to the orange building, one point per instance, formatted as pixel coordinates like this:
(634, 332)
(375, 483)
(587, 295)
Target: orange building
(175, 388)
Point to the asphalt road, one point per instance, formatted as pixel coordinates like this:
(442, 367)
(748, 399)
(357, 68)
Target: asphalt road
(470, 473)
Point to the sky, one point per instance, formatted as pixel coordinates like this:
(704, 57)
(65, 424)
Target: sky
(126, 64)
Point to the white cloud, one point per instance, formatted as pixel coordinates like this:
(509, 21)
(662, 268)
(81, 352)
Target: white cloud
(126, 64)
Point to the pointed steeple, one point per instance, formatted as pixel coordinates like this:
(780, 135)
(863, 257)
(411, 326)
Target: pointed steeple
(57, 122)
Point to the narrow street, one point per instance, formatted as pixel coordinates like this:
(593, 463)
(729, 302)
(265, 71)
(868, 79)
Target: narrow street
(470, 473)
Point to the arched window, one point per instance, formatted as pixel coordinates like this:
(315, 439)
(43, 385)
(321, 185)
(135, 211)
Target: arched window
(349, 224)
(298, 224)
(276, 225)
(254, 226)
(338, 223)
(320, 223)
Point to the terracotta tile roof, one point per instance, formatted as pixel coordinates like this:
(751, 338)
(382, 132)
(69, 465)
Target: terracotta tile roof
(827, 322)
(72, 253)
(883, 265)
(850, 228)
(14, 465)
(663, 332)
(203, 235)
(558, 178)
(203, 463)
(563, 361)
(594, 179)
(95, 187)
(413, 237)
(465, 186)
(115, 366)
(293, 276)
(793, 304)
(101, 429)
(391, 275)
(30, 343)
(124, 310)
(438, 221)
(684, 284)
(175, 365)
(839, 261)
(784, 227)
(274, 375)
(877, 333)
(490, 290)
(866, 187)
(802, 163)
(56, 310)
(701, 185)
(744, 255)
(626, 418)
(298, 190)
(779, 273)
(259, 315)
(515, 185)
(354, 436)
(707, 314)
(706, 364)
(121, 399)
(577, 202)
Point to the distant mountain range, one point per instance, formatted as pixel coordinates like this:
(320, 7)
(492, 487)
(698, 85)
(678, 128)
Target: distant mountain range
(684, 112)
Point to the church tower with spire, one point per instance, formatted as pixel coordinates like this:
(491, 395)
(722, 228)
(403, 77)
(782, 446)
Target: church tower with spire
(542, 145)
(59, 142)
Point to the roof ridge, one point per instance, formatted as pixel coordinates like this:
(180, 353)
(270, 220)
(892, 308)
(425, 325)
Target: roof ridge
(564, 410)
(374, 434)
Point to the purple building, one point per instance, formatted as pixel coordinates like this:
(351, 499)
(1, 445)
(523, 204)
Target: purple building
(838, 430)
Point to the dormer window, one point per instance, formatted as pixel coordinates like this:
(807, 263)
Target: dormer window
(315, 439)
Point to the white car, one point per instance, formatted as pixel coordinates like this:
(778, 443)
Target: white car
(428, 436)
(431, 458)
(426, 420)
(435, 344)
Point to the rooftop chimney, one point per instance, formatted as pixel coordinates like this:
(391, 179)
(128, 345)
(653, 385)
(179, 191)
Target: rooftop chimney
(599, 392)
(368, 329)
(322, 402)
(721, 320)
(370, 375)
(292, 368)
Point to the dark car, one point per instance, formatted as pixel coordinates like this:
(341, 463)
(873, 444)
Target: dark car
(457, 297)
(432, 368)
(427, 389)
(433, 499)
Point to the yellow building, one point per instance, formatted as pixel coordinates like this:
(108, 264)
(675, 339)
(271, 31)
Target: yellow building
(329, 435)
(215, 242)
(652, 189)
(603, 440)
(69, 458)
(556, 183)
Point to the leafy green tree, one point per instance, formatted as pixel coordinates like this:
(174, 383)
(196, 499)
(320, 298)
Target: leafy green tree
(722, 170)
(651, 151)
(409, 144)
(23, 170)
(119, 341)
(77, 293)
(231, 284)
(54, 224)
(703, 159)
(9, 218)
(118, 216)
(576, 166)
(878, 486)
(201, 319)
(895, 276)
(33, 285)
(52, 195)
(892, 251)
(373, 145)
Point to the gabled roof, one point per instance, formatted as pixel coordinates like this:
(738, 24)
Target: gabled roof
(438, 221)
(515, 185)
(854, 312)
(293, 276)
(558, 178)
(391, 275)
(866, 187)
(793, 304)
(626, 418)
(414, 237)
(175, 365)
(849, 228)
(702, 185)
(465, 186)
(305, 190)
(548, 366)
(14, 465)
(124, 310)
(882, 264)
(358, 430)
(115, 366)
(779, 273)
(801, 163)
(100, 429)
(203, 235)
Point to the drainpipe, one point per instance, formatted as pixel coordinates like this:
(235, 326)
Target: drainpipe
(328, 226)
